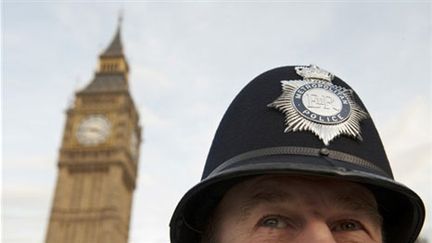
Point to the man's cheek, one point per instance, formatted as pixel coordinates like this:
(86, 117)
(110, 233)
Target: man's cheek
(273, 235)
(249, 233)
(353, 237)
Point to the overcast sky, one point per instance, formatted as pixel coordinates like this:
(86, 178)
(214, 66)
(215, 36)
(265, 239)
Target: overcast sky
(188, 60)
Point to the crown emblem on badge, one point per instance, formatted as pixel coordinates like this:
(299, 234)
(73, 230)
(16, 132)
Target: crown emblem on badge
(317, 105)
(313, 72)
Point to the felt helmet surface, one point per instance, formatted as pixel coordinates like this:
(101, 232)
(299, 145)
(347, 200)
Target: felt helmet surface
(298, 120)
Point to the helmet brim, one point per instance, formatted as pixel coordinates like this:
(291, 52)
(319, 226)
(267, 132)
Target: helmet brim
(401, 208)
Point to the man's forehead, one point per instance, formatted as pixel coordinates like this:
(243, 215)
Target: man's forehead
(291, 192)
(283, 187)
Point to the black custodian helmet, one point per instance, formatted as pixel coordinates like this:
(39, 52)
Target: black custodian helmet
(298, 121)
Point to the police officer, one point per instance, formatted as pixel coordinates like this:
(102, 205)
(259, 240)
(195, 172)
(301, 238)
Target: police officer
(297, 158)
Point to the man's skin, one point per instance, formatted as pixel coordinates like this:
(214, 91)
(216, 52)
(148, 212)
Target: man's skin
(276, 209)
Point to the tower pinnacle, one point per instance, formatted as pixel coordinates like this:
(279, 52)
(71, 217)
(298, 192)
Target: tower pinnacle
(113, 70)
(115, 49)
(120, 18)
(113, 60)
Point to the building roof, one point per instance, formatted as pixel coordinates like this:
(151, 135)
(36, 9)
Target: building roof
(104, 82)
(115, 49)
(111, 80)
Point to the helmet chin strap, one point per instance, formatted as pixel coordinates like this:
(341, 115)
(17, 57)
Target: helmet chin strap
(190, 226)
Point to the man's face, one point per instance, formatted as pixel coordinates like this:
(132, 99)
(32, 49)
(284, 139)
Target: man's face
(276, 209)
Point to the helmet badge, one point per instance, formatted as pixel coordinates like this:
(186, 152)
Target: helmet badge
(315, 104)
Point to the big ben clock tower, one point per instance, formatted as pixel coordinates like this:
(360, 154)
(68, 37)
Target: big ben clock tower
(98, 158)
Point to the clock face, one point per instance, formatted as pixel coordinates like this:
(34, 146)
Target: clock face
(93, 130)
(133, 144)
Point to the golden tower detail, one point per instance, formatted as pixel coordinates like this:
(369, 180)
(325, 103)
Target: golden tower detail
(98, 158)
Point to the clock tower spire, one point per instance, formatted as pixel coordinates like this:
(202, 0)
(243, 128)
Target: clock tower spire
(113, 59)
(98, 158)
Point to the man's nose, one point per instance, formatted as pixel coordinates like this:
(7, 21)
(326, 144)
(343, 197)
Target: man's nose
(317, 232)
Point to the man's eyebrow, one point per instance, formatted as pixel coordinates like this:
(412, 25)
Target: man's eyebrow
(354, 203)
(263, 197)
(359, 203)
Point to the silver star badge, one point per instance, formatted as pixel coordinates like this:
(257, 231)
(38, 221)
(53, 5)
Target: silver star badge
(315, 104)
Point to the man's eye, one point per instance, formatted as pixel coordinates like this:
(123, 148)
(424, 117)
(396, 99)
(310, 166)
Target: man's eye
(346, 225)
(274, 221)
